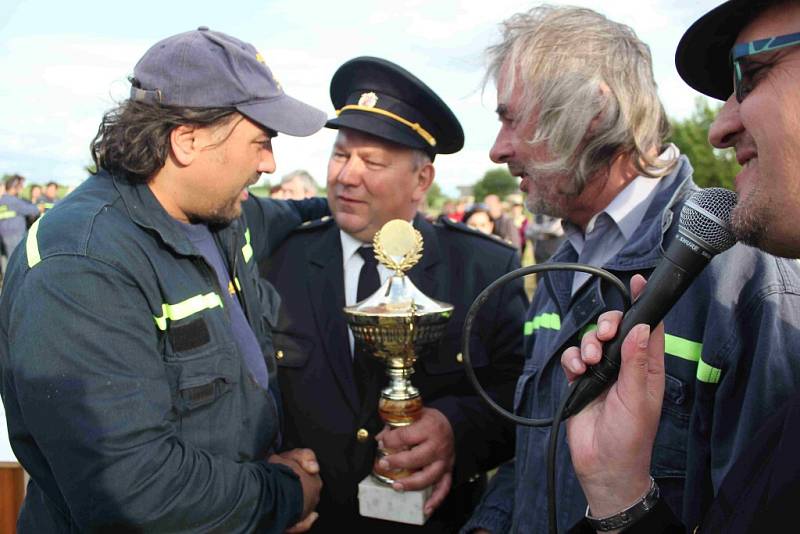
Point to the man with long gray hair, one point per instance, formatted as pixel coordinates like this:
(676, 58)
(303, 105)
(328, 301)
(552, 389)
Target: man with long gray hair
(582, 126)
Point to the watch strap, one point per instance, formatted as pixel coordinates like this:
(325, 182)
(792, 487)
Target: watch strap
(629, 515)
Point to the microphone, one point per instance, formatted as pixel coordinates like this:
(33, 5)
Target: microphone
(703, 232)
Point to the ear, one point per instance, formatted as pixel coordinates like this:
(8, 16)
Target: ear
(183, 143)
(425, 177)
(604, 91)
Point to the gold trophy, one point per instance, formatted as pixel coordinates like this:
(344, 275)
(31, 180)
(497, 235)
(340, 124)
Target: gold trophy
(397, 323)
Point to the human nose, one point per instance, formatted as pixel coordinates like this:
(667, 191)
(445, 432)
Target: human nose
(349, 173)
(266, 163)
(725, 129)
(501, 149)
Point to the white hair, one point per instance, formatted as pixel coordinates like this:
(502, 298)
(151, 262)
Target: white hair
(309, 185)
(588, 82)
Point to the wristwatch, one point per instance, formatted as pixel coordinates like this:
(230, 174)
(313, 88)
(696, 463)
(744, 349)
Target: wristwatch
(629, 515)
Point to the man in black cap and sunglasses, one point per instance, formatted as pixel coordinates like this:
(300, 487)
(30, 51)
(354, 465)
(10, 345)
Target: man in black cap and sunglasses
(390, 127)
(748, 54)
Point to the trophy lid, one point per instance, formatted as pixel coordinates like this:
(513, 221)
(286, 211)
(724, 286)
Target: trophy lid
(398, 246)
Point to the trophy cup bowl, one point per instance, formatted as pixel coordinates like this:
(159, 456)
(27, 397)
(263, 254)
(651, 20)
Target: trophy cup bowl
(397, 323)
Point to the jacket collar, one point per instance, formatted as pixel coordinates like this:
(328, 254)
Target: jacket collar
(646, 248)
(423, 274)
(145, 210)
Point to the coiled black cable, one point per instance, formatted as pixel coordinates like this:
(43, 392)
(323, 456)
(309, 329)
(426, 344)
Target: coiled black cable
(479, 301)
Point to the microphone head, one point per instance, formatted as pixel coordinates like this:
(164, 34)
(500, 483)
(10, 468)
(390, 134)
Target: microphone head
(706, 217)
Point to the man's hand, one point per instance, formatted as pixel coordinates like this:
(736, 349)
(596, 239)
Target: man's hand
(611, 440)
(304, 464)
(431, 454)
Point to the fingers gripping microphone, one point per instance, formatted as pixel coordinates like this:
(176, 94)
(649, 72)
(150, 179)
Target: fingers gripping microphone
(703, 232)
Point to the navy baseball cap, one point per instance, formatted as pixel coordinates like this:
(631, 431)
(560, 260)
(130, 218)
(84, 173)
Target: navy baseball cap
(703, 54)
(377, 97)
(208, 69)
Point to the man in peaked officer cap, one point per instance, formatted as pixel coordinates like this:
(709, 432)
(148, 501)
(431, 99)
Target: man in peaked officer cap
(390, 128)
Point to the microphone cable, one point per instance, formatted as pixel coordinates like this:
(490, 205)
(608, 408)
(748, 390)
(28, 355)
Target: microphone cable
(555, 422)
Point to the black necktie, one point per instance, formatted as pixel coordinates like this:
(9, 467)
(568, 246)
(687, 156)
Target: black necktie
(365, 364)
(368, 279)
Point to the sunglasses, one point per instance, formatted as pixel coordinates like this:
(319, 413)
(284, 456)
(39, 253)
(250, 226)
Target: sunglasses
(744, 73)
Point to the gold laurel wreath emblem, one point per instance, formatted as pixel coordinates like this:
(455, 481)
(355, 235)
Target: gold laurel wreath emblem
(398, 239)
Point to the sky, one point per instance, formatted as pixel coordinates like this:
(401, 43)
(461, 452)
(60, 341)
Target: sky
(64, 63)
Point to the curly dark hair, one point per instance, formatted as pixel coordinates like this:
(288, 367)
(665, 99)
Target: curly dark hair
(132, 140)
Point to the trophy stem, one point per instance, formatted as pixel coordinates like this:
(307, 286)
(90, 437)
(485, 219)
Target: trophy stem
(400, 405)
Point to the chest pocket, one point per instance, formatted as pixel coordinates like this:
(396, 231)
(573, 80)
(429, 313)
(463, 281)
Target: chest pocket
(669, 450)
(202, 380)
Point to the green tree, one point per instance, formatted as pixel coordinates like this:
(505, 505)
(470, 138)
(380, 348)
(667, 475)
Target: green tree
(496, 181)
(435, 197)
(712, 167)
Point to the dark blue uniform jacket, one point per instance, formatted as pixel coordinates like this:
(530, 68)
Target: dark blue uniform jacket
(126, 396)
(729, 362)
(320, 396)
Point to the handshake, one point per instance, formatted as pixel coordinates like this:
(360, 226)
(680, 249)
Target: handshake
(304, 464)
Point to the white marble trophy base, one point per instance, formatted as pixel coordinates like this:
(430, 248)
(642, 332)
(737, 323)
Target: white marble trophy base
(380, 501)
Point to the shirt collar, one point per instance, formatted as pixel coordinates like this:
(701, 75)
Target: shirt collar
(628, 208)
(350, 244)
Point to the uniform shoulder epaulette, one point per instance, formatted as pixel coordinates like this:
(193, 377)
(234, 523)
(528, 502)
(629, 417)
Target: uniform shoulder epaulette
(316, 223)
(461, 227)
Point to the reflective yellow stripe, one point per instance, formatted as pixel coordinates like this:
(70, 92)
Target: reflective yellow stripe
(236, 281)
(422, 132)
(708, 374)
(247, 250)
(544, 320)
(683, 348)
(32, 245)
(7, 214)
(181, 310)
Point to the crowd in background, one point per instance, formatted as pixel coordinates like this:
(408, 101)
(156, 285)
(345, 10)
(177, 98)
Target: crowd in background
(508, 221)
(19, 209)
(505, 219)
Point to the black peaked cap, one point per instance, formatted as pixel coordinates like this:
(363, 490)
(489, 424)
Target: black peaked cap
(375, 96)
(703, 54)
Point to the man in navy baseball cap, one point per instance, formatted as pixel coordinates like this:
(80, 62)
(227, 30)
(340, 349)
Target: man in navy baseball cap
(139, 378)
(208, 69)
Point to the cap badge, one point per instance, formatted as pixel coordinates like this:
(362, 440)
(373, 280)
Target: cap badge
(368, 100)
(260, 58)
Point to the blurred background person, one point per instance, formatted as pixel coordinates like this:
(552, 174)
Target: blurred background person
(503, 225)
(277, 192)
(449, 210)
(298, 185)
(516, 211)
(35, 194)
(479, 218)
(545, 234)
(50, 195)
(13, 211)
